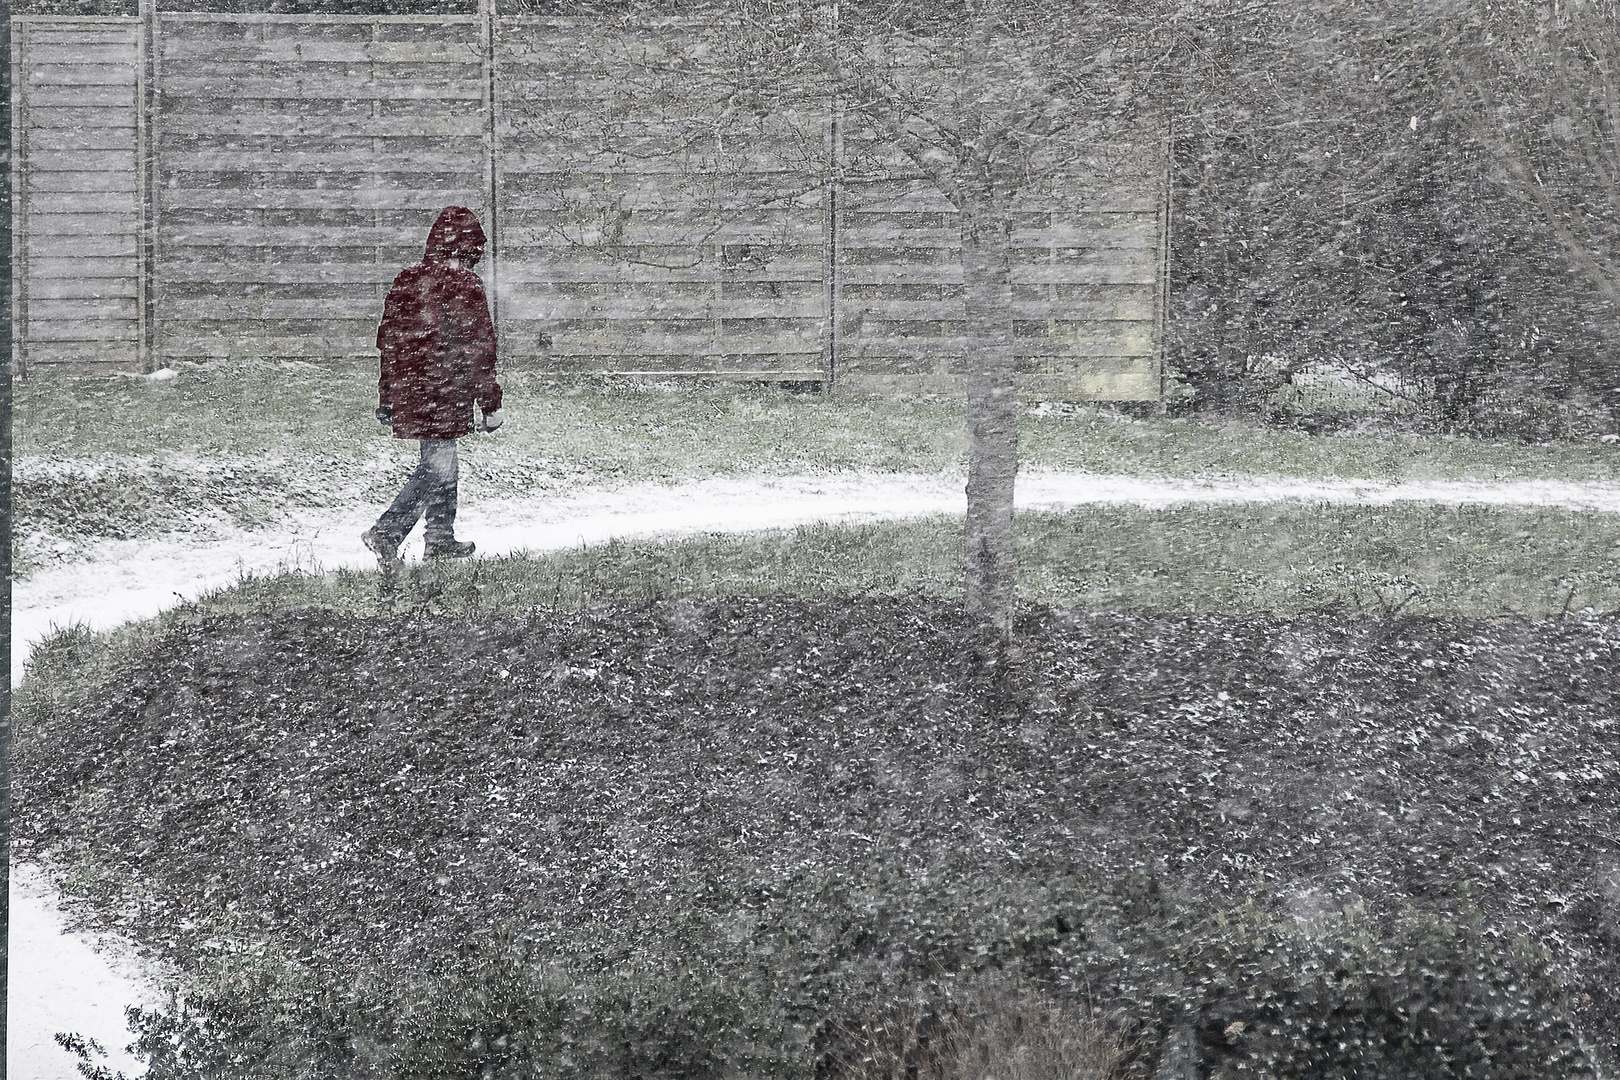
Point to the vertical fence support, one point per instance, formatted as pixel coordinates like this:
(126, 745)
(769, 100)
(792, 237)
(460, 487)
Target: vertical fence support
(17, 195)
(1161, 298)
(492, 152)
(835, 199)
(145, 195)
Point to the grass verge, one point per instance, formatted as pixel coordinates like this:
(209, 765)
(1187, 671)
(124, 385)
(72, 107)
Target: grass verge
(604, 430)
(1285, 558)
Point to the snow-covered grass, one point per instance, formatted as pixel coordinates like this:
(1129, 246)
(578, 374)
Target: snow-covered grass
(1289, 557)
(219, 447)
(562, 433)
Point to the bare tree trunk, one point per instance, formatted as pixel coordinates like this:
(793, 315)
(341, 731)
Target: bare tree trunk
(992, 413)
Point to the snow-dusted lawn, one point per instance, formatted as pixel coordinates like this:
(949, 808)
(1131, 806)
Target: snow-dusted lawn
(60, 982)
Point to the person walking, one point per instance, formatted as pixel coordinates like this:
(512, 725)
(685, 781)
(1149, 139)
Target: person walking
(438, 358)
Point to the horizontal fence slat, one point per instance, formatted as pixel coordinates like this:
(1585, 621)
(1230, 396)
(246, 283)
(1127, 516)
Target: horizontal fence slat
(798, 367)
(114, 159)
(81, 140)
(105, 180)
(522, 273)
(80, 118)
(120, 75)
(237, 305)
(69, 246)
(357, 162)
(191, 49)
(1137, 309)
(44, 55)
(316, 198)
(122, 307)
(683, 345)
(520, 306)
(82, 267)
(88, 330)
(83, 358)
(80, 224)
(42, 161)
(309, 88)
(303, 274)
(45, 97)
(177, 123)
(933, 348)
(72, 202)
(81, 288)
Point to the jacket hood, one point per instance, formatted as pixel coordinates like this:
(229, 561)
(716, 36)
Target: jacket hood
(456, 230)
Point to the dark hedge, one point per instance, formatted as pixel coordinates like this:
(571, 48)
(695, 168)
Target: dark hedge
(723, 822)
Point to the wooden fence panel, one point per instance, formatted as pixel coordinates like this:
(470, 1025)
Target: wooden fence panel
(635, 242)
(76, 219)
(299, 160)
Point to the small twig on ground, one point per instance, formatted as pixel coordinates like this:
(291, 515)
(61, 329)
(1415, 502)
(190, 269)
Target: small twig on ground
(1563, 612)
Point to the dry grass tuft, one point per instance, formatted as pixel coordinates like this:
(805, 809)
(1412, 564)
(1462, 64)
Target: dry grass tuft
(1003, 1032)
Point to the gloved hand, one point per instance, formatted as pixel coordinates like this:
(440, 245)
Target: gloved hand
(385, 415)
(492, 420)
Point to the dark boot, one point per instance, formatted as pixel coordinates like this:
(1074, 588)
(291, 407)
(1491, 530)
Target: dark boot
(450, 549)
(385, 547)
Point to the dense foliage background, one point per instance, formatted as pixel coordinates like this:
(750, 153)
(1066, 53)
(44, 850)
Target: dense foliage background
(1416, 196)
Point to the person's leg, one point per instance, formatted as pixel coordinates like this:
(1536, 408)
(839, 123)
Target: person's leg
(441, 461)
(401, 517)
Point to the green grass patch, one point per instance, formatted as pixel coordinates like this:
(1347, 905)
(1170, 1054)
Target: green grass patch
(593, 431)
(1419, 559)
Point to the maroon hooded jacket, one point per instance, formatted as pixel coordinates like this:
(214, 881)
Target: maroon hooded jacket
(436, 337)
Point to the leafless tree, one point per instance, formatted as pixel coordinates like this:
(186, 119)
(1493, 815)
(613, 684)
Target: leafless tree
(988, 100)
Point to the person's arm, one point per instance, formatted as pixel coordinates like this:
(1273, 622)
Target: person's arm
(479, 343)
(387, 348)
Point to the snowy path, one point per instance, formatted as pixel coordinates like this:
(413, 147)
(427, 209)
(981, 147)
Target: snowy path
(59, 983)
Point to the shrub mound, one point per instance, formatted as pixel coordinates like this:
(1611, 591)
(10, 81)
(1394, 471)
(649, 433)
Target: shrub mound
(688, 838)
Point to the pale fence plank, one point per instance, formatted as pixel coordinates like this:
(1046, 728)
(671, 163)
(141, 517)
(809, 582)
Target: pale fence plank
(68, 247)
(107, 330)
(74, 202)
(118, 52)
(81, 118)
(101, 180)
(116, 73)
(83, 97)
(80, 288)
(192, 49)
(209, 120)
(356, 162)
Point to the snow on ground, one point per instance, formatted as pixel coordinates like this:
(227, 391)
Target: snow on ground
(59, 982)
(62, 981)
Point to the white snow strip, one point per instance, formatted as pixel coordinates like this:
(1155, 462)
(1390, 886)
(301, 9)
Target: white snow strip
(69, 987)
(128, 580)
(61, 981)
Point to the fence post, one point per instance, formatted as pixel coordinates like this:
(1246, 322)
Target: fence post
(833, 238)
(145, 196)
(486, 10)
(17, 189)
(1161, 299)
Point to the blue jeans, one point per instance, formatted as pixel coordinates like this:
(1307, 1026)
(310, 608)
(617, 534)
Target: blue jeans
(430, 492)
